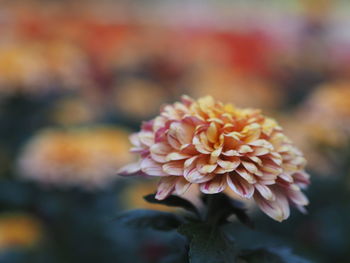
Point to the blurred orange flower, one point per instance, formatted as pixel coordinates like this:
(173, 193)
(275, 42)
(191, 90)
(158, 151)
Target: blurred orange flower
(29, 67)
(139, 98)
(329, 109)
(322, 125)
(229, 86)
(83, 112)
(86, 157)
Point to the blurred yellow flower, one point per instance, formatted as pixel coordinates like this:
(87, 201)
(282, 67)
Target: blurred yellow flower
(19, 230)
(22, 69)
(308, 137)
(83, 112)
(327, 112)
(86, 157)
(139, 98)
(321, 125)
(229, 86)
(29, 67)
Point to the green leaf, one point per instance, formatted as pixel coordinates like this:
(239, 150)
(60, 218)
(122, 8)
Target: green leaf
(270, 255)
(158, 220)
(173, 201)
(207, 244)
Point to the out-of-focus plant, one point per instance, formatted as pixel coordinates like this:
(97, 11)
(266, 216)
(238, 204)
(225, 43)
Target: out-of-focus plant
(230, 85)
(85, 157)
(34, 68)
(139, 98)
(321, 127)
(84, 113)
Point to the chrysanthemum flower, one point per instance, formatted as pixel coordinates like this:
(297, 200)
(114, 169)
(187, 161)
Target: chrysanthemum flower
(19, 230)
(84, 157)
(217, 146)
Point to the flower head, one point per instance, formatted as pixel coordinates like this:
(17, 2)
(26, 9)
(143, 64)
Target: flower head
(218, 146)
(84, 157)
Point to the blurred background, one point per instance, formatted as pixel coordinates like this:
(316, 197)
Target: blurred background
(77, 77)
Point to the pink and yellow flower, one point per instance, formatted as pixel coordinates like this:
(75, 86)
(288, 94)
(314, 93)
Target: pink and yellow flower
(218, 146)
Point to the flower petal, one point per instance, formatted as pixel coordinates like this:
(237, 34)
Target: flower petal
(277, 209)
(240, 186)
(182, 186)
(302, 179)
(215, 155)
(130, 169)
(244, 149)
(214, 186)
(297, 197)
(152, 168)
(250, 167)
(176, 156)
(159, 152)
(199, 146)
(193, 175)
(252, 132)
(174, 168)
(165, 187)
(146, 138)
(172, 138)
(265, 191)
(134, 139)
(190, 161)
(231, 153)
(229, 165)
(286, 177)
(246, 175)
(183, 132)
(212, 132)
(209, 168)
(258, 151)
(262, 143)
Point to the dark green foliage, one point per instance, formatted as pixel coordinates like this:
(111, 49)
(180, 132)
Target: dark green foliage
(208, 244)
(208, 241)
(173, 201)
(149, 218)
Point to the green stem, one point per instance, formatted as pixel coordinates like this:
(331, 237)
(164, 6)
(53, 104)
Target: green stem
(210, 207)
